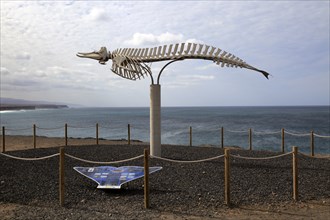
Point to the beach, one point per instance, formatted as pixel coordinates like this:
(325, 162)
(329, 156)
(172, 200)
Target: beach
(260, 189)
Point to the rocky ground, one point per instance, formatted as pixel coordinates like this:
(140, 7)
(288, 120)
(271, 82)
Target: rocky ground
(29, 189)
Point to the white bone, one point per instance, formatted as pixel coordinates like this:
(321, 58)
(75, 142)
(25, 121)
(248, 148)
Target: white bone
(206, 49)
(159, 52)
(168, 54)
(164, 49)
(146, 53)
(181, 49)
(217, 53)
(155, 52)
(188, 48)
(193, 49)
(211, 51)
(150, 53)
(175, 49)
(200, 49)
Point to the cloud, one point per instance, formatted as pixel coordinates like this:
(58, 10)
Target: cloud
(23, 56)
(4, 71)
(97, 14)
(139, 39)
(183, 81)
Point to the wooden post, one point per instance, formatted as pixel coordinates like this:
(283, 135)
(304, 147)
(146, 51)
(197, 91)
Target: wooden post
(61, 177)
(222, 137)
(3, 139)
(282, 145)
(129, 134)
(34, 137)
(295, 172)
(146, 179)
(312, 143)
(227, 177)
(190, 136)
(97, 133)
(66, 134)
(250, 139)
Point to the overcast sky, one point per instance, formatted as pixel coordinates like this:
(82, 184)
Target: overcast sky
(289, 39)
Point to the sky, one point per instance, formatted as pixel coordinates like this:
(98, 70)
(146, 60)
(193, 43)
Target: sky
(288, 39)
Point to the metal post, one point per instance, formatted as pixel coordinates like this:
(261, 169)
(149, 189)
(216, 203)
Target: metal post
(295, 172)
(155, 126)
(146, 179)
(61, 177)
(227, 177)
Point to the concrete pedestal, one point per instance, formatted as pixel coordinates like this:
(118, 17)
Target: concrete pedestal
(155, 121)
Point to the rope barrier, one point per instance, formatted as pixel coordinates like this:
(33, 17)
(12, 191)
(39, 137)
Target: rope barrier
(265, 132)
(260, 158)
(56, 128)
(317, 157)
(99, 162)
(17, 129)
(30, 159)
(81, 127)
(296, 134)
(187, 161)
(232, 131)
(321, 136)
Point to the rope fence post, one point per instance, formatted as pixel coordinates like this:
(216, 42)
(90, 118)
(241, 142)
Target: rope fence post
(190, 136)
(312, 143)
(61, 177)
(227, 177)
(129, 134)
(282, 145)
(3, 139)
(295, 172)
(146, 179)
(66, 134)
(34, 137)
(97, 133)
(250, 139)
(222, 141)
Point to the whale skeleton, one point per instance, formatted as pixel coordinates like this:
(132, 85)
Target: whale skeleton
(131, 63)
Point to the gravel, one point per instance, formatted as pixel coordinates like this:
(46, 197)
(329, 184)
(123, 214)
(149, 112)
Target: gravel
(184, 188)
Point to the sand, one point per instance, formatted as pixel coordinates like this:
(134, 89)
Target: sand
(25, 208)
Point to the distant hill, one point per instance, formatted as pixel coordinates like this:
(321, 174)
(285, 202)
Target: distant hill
(21, 104)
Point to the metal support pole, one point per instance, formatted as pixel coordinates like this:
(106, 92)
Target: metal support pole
(155, 124)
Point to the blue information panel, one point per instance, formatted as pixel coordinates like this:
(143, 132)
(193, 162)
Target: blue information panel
(109, 177)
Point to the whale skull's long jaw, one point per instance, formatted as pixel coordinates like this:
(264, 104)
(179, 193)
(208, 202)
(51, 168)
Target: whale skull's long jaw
(102, 56)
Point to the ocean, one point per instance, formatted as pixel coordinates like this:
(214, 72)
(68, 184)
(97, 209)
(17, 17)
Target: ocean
(206, 122)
